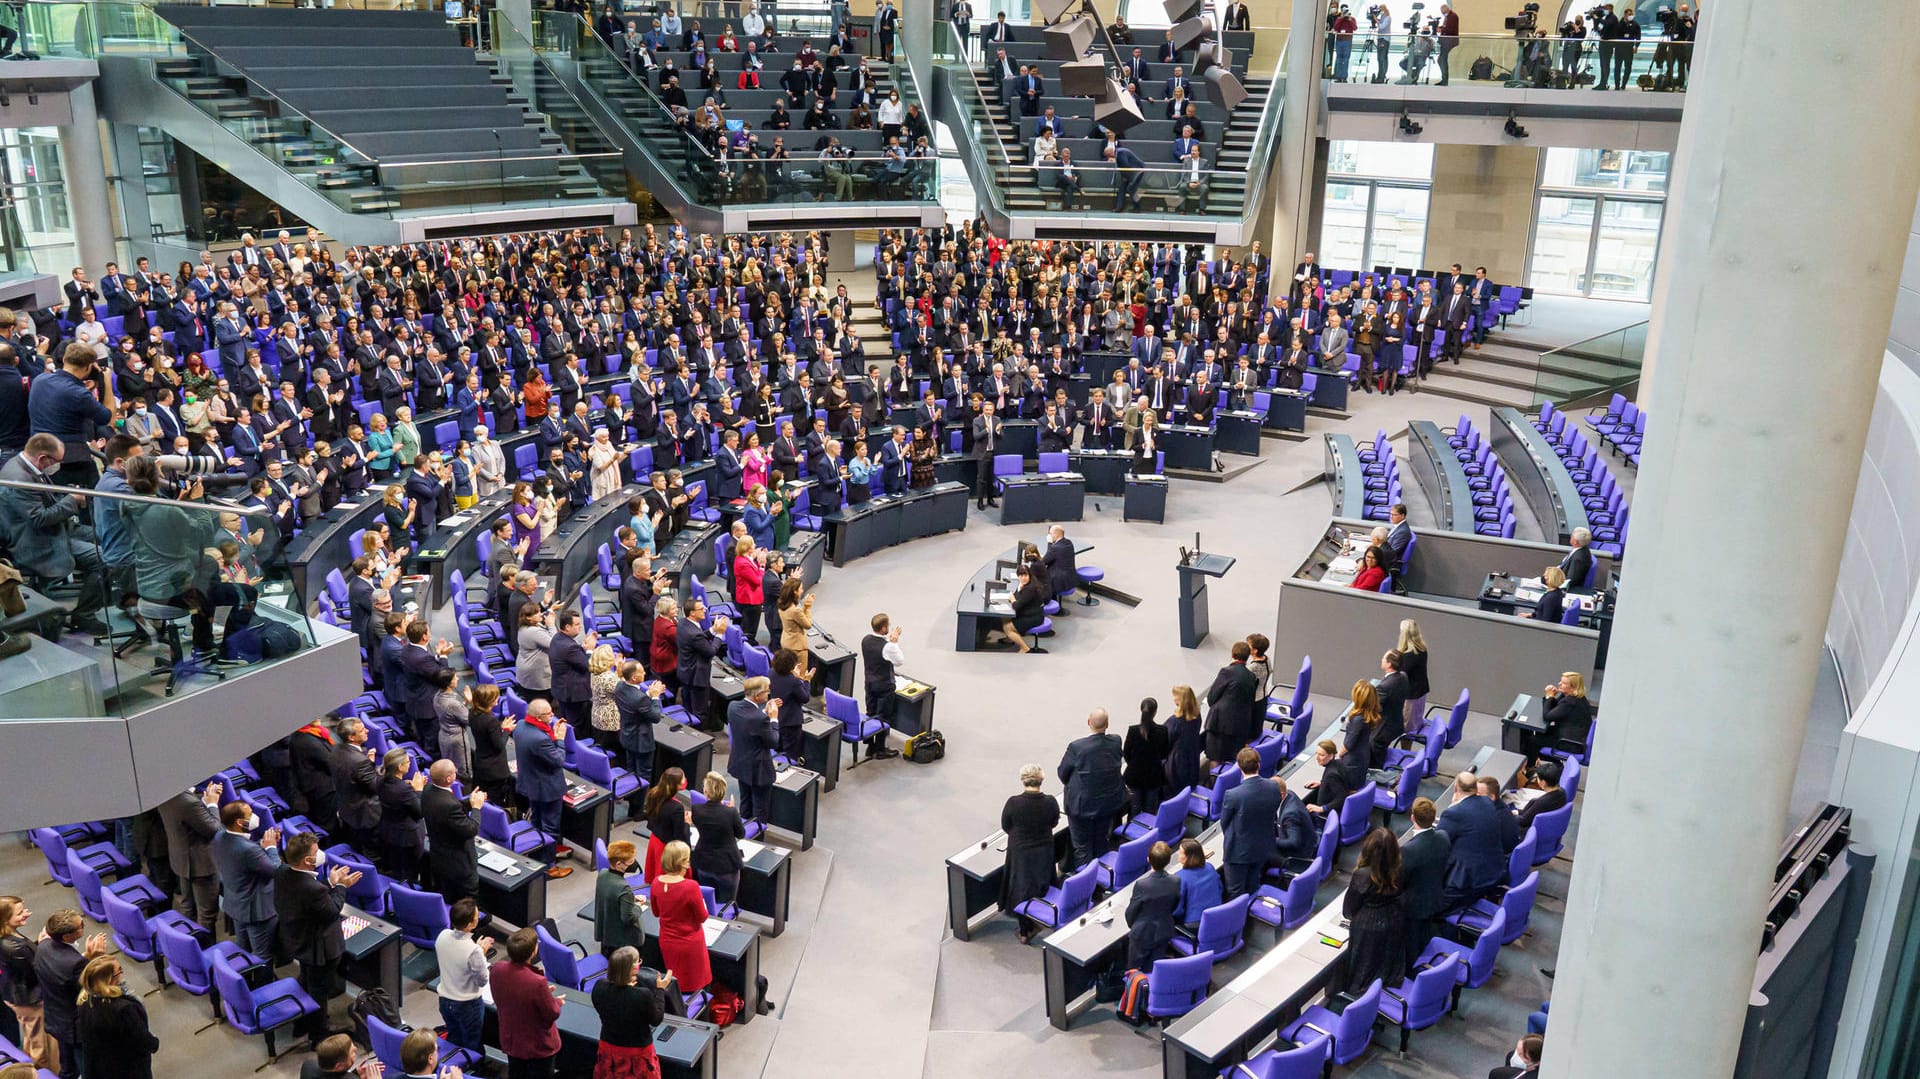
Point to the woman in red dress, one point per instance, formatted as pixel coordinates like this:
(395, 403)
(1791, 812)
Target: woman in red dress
(682, 911)
(1372, 572)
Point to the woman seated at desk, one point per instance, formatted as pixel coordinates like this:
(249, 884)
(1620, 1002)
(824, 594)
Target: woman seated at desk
(1552, 603)
(1028, 612)
(1200, 886)
(1373, 571)
(1568, 716)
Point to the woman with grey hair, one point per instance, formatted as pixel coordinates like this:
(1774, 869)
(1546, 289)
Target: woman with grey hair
(1029, 819)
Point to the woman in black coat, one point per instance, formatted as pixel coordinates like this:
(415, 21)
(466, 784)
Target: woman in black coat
(403, 834)
(1144, 754)
(114, 1037)
(1183, 740)
(490, 736)
(716, 858)
(1029, 819)
(1568, 716)
(1375, 907)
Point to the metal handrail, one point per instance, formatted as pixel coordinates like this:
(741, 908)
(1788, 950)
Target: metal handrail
(1262, 153)
(211, 504)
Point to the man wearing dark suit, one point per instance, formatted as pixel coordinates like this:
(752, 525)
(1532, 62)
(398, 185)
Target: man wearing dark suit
(694, 661)
(1578, 564)
(191, 824)
(1062, 573)
(726, 485)
(1150, 907)
(1249, 815)
(1393, 690)
(1478, 861)
(309, 909)
(1231, 719)
(1400, 533)
(987, 429)
(452, 823)
(1545, 779)
(1423, 870)
(421, 662)
(1295, 837)
(638, 702)
(752, 734)
(637, 598)
(1527, 1054)
(57, 963)
(247, 869)
(423, 487)
(1095, 794)
(572, 681)
(539, 745)
(356, 785)
(894, 465)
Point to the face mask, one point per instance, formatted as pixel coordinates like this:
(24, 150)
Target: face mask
(253, 822)
(1514, 1060)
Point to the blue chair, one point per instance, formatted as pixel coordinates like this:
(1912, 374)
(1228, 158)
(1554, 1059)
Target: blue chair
(1476, 959)
(134, 935)
(1177, 986)
(1118, 868)
(259, 1011)
(420, 915)
(369, 893)
(854, 726)
(1400, 798)
(1063, 902)
(136, 890)
(189, 966)
(1306, 1061)
(1356, 815)
(1206, 804)
(1351, 1030)
(519, 837)
(1004, 465)
(1517, 904)
(103, 857)
(595, 766)
(386, 1042)
(1418, 1002)
(1294, 733)
(1550, 832)
(1222, 932)
(1283, 714)
(1168, 820)
(1290, 909)
(1520, 861)
(564, 967)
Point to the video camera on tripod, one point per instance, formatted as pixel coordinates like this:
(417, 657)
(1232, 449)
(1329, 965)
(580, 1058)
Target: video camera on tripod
(1525, 22)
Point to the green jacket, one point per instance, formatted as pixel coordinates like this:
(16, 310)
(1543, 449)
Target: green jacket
(616, 917)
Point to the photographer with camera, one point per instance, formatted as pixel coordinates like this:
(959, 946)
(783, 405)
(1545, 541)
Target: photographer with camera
(1344, 24)
(1607, 25)
(1380, 22)
(1449, 36)
(1573, 39)
(44, 531)
(169, 548)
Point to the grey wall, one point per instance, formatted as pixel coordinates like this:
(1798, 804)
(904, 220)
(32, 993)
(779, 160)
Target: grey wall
(1904, 338)
(1880, 571)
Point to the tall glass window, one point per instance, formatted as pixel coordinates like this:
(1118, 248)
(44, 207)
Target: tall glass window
(1597, 221)
(1376, 204)
(36, 185)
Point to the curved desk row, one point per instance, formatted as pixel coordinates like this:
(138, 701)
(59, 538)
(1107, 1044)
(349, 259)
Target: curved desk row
(1545, 485)
(855, 531)
(1441, 476)
(1346, 477)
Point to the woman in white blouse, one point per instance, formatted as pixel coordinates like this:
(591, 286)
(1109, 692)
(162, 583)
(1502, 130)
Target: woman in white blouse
(892, 115)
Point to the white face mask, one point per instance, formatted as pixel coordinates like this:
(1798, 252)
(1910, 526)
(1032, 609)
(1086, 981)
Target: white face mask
(1515, 1060)
(253, 822)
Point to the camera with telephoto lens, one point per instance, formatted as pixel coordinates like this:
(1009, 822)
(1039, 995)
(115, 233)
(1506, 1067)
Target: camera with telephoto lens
(1667, 17)
(1412, 25)
(1596, 13)
(182, 470)
(1524, 22)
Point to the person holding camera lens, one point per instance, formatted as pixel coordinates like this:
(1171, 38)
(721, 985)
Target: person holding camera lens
(170, 566)
(1574, 35)
(1380, 21)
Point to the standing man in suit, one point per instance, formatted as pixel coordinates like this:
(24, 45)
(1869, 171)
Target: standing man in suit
(1095, 794)
(894, 462)
(1456, 318)
(726, 485)
(539, 744)
(572, 680)
(421, 661)
(452, 823)
(57, 963)
(886, 21)
(247, 870)
(1477, 862)
(356, 785)
(309, 912)
(1249, 815)
(638, 702)
(1479, 298)
(1424, 853)
(1399, 535)
(1128, 176)
(638, 590)
(1231, 719)
(1394, 689)
(1150, 907)
(697, 645)
(191, 823)
(753, 731)
(987, 430)
(430, 474)
(1578, 564)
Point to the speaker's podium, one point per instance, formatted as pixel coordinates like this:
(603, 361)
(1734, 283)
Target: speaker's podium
(1194, 571)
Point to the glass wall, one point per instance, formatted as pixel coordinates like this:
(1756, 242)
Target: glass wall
(36, 186)
(1597, 222)
(1376, 204)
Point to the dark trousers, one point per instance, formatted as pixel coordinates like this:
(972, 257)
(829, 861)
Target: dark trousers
(546, 820)
(754, 798)
(1243, 878)
(578, 714)
(880, 705)
(983, 482)
(749, 620)
(69, 1056)
(323, 982)
(530, 1069)
(1091, 836)
(464, 1019)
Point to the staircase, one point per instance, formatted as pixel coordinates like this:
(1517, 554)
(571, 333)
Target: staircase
(570, 125)
(1228, 191)
(1508, 370)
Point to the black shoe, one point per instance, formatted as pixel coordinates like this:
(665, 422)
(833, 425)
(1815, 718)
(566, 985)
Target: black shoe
(1036, 649)
(1548, 971)
(86, 623)
(882, 753)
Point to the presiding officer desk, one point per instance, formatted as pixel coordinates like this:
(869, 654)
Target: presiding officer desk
(987, 599)
(1074, 955)
(1346, 629)
(1232, 1024)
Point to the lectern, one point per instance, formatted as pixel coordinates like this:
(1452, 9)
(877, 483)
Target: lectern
(1194, 572)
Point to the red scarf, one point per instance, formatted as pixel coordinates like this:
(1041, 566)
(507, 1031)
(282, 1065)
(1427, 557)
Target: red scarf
(318, 731)
(544, 728)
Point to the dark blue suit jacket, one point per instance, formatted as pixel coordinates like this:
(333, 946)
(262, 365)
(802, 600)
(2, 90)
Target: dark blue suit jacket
(1295, 836)
(246, 876)
(752, 737)
(1091, 771)
(543, 763)
(1249, 814)
(1479, 856)
(571, 680)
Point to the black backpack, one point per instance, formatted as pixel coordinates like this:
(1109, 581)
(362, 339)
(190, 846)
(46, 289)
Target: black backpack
(374, 1002)
(1482, 69)
(926, 747)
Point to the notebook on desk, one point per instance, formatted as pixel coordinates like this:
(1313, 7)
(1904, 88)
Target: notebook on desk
(712, 930)
(496, 861)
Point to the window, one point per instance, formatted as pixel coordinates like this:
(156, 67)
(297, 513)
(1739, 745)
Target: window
(1597, 221)
(1376, 204)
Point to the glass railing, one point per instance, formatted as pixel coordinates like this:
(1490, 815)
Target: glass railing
(1595, 367)
(1539, 63)
(730, 162)
(1021, 178)
(195, 590)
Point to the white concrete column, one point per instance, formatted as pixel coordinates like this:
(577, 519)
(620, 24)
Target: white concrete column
(1748, 473)
(86, 175)
(1301, 119)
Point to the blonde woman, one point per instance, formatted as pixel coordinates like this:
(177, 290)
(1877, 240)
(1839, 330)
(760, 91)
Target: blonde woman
(19, 987)
(605, 678)
(1363, 719)
(112, 1026)
(682, 911)
(1183, 740)
(1413, 663)
(406, 438)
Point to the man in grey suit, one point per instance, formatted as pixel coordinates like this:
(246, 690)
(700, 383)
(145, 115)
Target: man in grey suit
(1423, 869)
(246, 878)
(987, 429)
(191, 825)
(1249, 815)
(1095, 795)
(43, 532)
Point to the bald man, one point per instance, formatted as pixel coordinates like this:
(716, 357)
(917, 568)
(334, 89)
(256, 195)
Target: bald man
(1095, 795)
